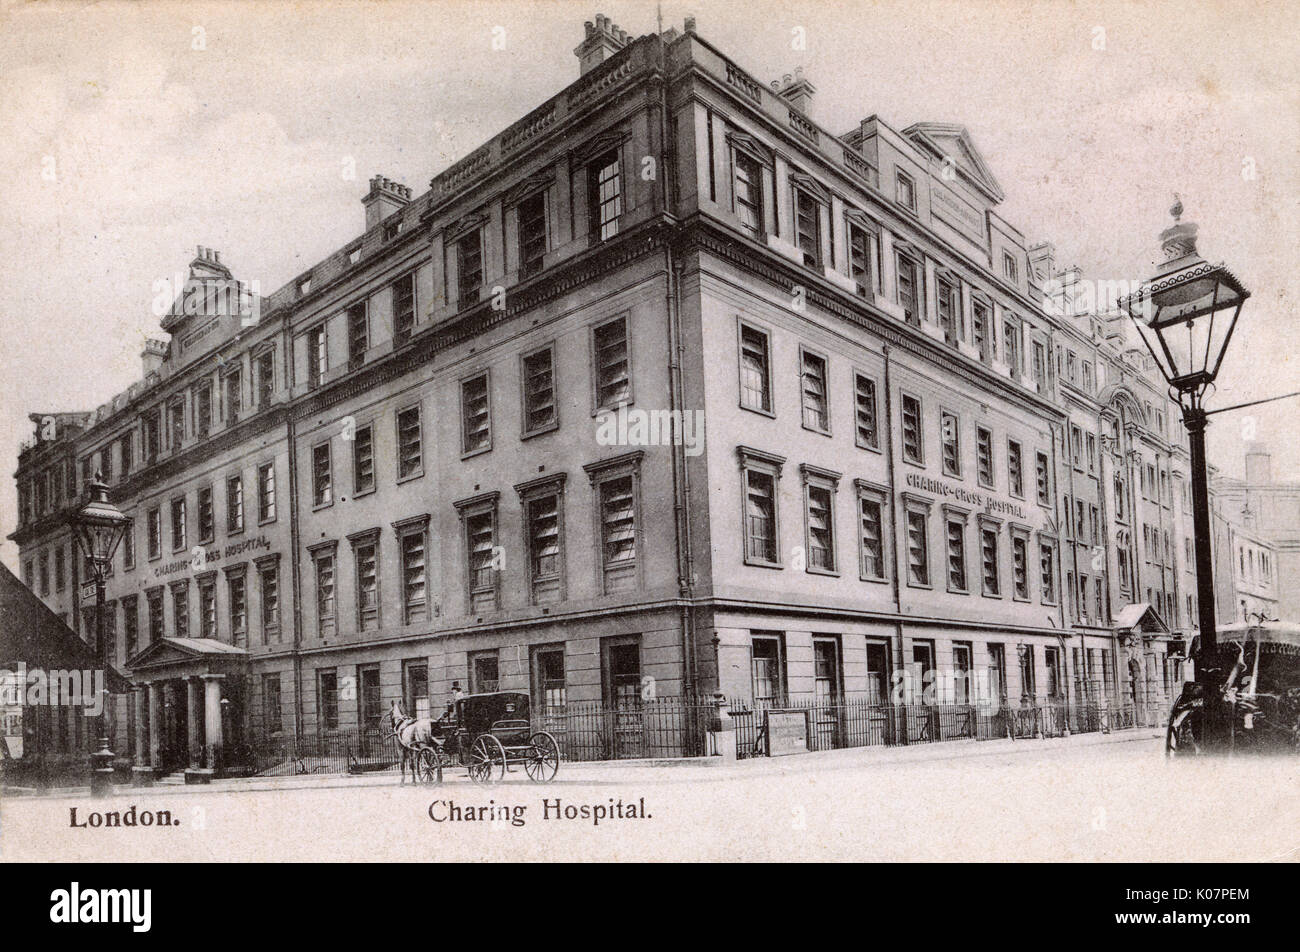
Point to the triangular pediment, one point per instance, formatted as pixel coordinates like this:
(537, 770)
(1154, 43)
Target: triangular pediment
(167, 651)
(952, 141)
(163, 651)
(208, 292)
(1141, 617)
(526, 188)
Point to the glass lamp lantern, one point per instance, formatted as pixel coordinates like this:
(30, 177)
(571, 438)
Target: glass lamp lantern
(99, 527)
(1188, 310)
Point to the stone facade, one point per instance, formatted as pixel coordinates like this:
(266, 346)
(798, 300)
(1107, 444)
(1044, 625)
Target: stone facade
(466, 417)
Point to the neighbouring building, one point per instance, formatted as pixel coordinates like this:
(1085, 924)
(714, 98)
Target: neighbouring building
(1256, 522)
(663, 391)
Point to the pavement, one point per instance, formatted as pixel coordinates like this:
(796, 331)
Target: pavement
(1086, 798)
(665, 770)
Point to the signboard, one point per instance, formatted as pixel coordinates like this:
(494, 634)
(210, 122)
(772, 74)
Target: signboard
(87, 592)
(787, 732)
(955, 211)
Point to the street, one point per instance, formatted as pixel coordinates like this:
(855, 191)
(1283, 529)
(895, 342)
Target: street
(1091, 798)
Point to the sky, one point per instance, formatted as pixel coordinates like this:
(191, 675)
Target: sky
(132, 133)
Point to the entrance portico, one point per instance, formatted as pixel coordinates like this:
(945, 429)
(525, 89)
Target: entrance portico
(182, 689)
(1140, 629)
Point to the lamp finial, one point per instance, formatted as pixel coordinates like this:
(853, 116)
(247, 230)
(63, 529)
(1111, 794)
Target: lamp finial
(1179, 239)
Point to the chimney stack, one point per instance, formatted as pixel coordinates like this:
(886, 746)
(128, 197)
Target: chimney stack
(602, 41)
(384, 198)
(153, 355)
(1042, 258)
(1259, 466)
(796, 90)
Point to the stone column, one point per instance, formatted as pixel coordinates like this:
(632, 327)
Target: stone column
(155, 724)
(212, 717)
(141, 771)
(192, 691)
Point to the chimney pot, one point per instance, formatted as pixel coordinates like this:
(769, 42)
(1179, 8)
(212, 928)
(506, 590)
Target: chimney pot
(690, 24)
(603, 39)
(385, 197)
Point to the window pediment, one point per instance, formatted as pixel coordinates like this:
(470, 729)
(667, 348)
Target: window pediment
(810, 185)
(594, 147)
(527, 188)
(457, 230)
(749, 144)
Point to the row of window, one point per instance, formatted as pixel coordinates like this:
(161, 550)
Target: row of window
(1255, 565)
(179, 517)
(620, 671)
(770, 678)
(761, 473)
(753, 170)
(191, 414)
(617, 497)
(174, 600)
(464, 270)
(613, 386)
(814, 377)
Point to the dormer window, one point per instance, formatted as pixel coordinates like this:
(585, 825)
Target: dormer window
(1009, 269)
(391, 230)
(905, 190)
(304, 287)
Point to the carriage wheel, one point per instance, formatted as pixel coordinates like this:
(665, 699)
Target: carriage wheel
(487, 760)
(1180, 739)
(429, 765)
(543, 758)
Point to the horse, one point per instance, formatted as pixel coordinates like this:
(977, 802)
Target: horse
(412, 735)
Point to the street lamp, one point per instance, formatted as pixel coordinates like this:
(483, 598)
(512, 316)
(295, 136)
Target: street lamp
(1186, 315)
(99, 528)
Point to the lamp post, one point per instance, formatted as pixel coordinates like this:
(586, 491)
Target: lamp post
(99, 528)
(1186, 314)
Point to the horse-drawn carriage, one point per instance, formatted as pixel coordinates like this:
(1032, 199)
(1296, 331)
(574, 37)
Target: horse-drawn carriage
(1260, 696)
(489, 734)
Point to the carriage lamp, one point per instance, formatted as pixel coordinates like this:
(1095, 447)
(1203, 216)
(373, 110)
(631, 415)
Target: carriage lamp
(1186, 314)
(99, 527)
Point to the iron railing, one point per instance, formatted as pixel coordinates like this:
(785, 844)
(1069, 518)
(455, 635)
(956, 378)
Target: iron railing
(658, 727)
(679, 727)
(339, 751)
(864, 722)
